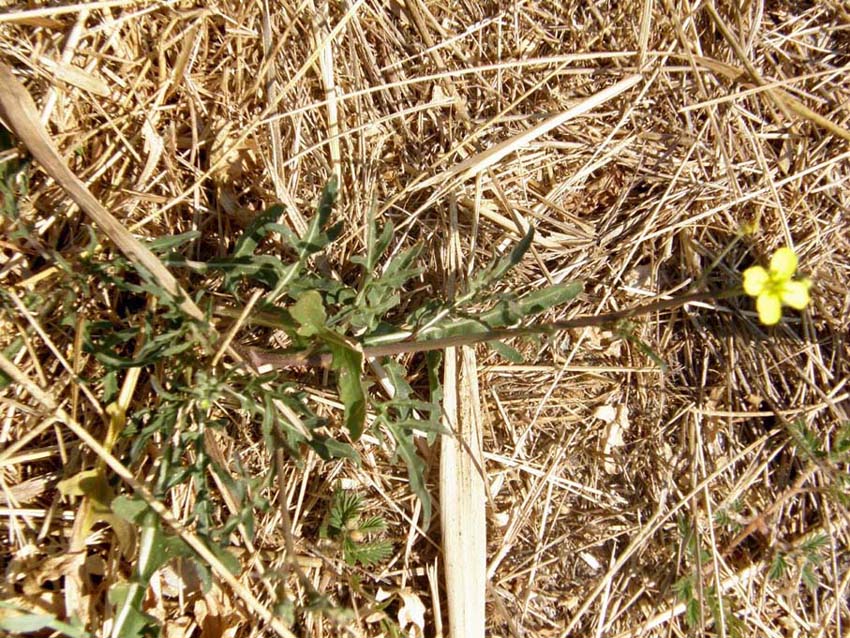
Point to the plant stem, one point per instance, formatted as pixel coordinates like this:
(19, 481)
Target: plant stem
(276, 360)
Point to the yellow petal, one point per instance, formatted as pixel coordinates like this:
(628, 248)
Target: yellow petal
(769, 308)
(796, 294)
(783, 264)
(755, 279)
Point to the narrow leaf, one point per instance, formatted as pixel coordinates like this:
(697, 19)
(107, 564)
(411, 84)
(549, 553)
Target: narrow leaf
(541, 300)
(314, 239)
(25, 623)
(433, 360)
(403, 391)
(535, 302)
(506, 351)
(256, 231)
(328, 448)
(130, 620)
(11, 350)
(498, 270)
(416, 467)
(347, 362)
(172, 242)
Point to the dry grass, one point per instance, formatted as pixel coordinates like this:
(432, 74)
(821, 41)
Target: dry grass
(181, 117)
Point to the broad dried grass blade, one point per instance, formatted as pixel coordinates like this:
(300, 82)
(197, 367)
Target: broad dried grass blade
(462, 499)
(462, 496)
(323, 40)
(485, 159)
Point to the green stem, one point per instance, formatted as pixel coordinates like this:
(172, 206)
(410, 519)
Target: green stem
(269, 358)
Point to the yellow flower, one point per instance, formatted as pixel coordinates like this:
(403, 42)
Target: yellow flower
(775, 287)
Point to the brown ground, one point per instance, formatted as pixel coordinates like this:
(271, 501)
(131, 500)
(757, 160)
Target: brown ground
(614, 484)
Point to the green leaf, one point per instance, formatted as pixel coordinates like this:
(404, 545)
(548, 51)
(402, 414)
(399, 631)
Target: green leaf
(380, 294)
(433, 360)
(401, 268)
(809, 578)
(498, 270)
(309, 312)
(172, 242)
(778, 568)
(416, 467)
(380, 244)
(372, 525)
(130, 620)
(347, 362)
(366, 553)
(327, 201)
(151, 548)
(285, 610)
(684, 588)
(333, 292)
(375, 245)
(9, 352)
(315, 239)
(422, 426)
(472, 326)
(230, 562)
(806, 440)
(345, 507)
(508, 313)
(811, 546)
(541, 300)
(692, 612)
(328, 448)
(25, 623)
(257, 231)
(506, 351)
(131, 510)
(13, 182)
(397, 377)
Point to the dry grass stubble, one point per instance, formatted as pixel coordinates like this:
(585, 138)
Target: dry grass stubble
(599, 465)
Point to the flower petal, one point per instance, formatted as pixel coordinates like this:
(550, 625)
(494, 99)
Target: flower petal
(796, 293)
(783, 264)
(755, 279)
(769, 308)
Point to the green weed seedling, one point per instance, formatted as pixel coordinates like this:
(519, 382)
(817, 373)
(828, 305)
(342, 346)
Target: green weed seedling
(699, 592)
(801, 560)
(344, 525)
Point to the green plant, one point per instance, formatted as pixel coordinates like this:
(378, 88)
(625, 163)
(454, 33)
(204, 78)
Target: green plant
(801, 561)
(190, 396)
(831, 454)
(344, 525)
(340, 324)
(697, 594)
(14, 182)
(20, 621)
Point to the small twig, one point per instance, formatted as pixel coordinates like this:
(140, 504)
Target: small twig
(269, 359)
